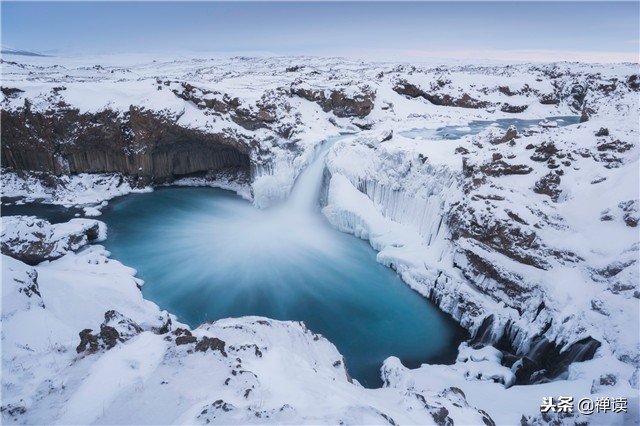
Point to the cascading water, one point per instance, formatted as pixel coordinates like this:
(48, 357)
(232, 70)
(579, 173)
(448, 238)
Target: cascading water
(207, 254)
(306, 190)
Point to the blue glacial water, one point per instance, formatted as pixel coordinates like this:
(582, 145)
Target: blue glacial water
(207, 254)
(475, 127)
(53, 213)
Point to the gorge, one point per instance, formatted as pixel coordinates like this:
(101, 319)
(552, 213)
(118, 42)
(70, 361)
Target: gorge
(524, 236)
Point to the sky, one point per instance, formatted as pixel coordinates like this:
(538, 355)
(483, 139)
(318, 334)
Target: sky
(500, 30)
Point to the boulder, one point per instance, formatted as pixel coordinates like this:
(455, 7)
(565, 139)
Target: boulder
(511, 134)
(548, 185)
(115, 329)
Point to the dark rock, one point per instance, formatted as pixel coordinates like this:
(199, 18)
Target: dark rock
(606, 215)
(465, 101)
(184, 340)
(166, 327)
(502, 168)
(486, 418)
(505, 90)
(607, 88)
(513, 108)
(614, 268)
(126, 327)
(548, 185)
(93, 232)
(441, 416)
(88, 342)
(339, 102)
(115, 328)
(634, 82)
(136, 143)
(109, 336)
(41, 242)
(363, 125)
(583, 152)
(600, 384)
(547, 360)
(13, 410)
(510, 134)
(609, 160)
(631, 212)
(578, 94)
(602, 132)
(461, 150)
(10, 92)
(615, 145)
(544, 152)
(412, 91)
(515, 217)
(549, 99)
(586, 114)
(551, 164)
(212, 343)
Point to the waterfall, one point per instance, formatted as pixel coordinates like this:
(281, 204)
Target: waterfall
(305, 194)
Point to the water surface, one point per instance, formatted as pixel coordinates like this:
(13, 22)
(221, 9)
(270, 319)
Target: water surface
(477, 126)
(207, 254)
(54, 213)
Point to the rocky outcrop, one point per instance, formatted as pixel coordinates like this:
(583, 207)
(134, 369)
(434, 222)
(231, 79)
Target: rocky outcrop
(630, 212)
(549, 99)
(439, 99)
(615, 145)
(510, 134)
(115, 329)
(514, 109)
(548, 185)
(32, 240)
(138, 143)
(502, 168)
(341, 103)
(505, 237)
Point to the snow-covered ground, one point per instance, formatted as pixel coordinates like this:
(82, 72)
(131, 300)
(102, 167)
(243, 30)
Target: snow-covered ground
(532, 234)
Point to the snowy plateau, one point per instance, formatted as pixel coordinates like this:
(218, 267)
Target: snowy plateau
(527, 237)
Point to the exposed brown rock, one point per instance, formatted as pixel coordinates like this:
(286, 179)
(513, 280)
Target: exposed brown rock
(513, 108)
(339, 102)
(511, 133)
(548, 185)
(212, 343)
(137, 143)
(413, 91)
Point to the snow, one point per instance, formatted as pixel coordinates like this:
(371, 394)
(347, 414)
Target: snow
(400, 194)
(278, 369)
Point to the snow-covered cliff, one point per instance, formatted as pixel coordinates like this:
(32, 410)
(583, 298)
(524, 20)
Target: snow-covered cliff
(527, 237)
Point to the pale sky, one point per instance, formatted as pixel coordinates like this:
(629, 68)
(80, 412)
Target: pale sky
(519, 31)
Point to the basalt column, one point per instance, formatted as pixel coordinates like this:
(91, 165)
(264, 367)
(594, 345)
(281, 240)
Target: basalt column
(137, 143)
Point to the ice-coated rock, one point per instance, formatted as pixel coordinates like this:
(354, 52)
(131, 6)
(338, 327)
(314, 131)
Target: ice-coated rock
(33, 240)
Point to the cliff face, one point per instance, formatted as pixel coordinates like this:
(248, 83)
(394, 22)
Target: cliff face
(137, 143)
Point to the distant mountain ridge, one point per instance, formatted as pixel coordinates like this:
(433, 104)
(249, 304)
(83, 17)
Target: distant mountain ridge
(6, 50)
